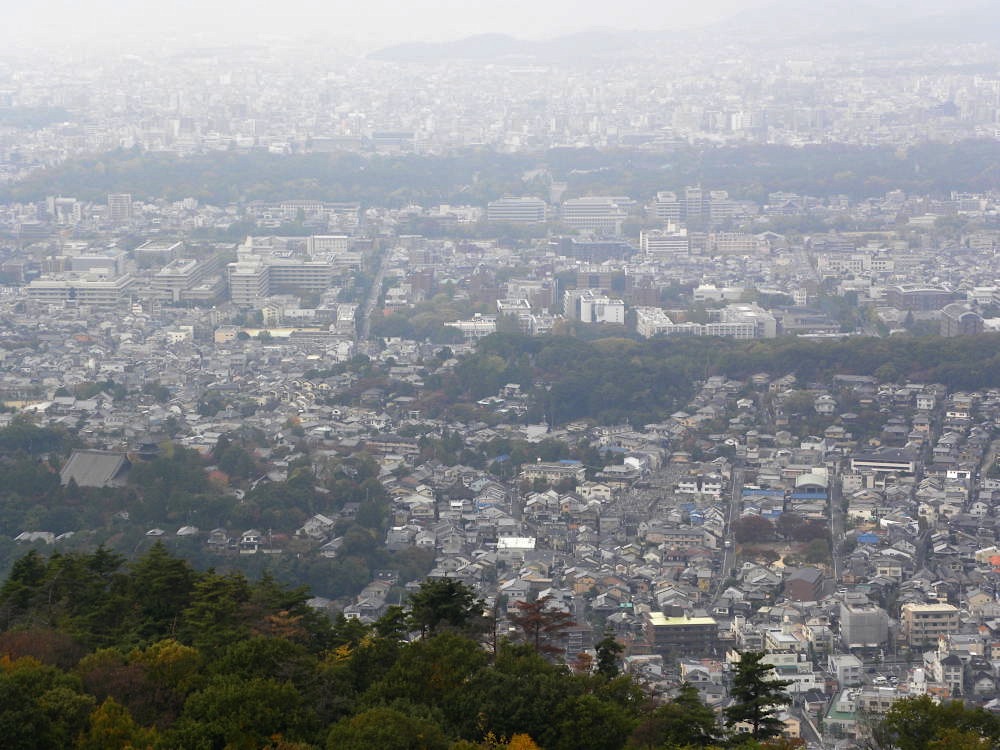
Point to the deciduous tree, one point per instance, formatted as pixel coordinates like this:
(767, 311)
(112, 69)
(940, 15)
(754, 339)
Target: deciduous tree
(541, 624)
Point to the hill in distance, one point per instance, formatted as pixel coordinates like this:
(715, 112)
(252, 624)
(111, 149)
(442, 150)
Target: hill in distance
(781, 22)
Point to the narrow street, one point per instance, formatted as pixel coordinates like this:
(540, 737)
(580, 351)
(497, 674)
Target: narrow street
(729, 543)
(365, 324)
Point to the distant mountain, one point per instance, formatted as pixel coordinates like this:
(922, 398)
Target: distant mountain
(799, 20)
(783, 21)
(479, 47)
(497, 47)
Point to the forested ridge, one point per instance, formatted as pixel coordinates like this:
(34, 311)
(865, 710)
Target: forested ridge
(478, 175)
(101, 654)
(644, 381)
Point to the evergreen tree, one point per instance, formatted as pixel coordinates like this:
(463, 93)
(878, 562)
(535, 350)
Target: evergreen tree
(608, 650)
(443, 601)
(757, 698)
(686, 721)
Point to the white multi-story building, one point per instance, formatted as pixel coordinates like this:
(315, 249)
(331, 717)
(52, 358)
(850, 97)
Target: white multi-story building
(592, 306)
(670, 241)
(320, 244)
(733, 243)
(517, 210)
(765, 325)
(119, 207)
(90, 290)
(173, 282)
(602, 215)
(249, 280)
(733, 321)
(475, 328)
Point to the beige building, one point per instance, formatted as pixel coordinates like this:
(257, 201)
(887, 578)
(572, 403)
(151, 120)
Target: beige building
(922, 624)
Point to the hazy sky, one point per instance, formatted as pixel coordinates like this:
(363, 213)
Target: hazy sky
(371, 23)
(377, 21)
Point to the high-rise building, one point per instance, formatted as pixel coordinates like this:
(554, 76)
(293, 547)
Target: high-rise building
(119, 207)
(695, 204)
(666, 207)
(248, 282)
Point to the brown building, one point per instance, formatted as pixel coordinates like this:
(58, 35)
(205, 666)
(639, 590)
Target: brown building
(681, 634)
(918, 297)
(921, 624)
(804, 585)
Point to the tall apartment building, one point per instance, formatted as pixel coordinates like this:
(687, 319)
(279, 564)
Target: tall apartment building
(693, 205)
(720, 208)
(517, 210)
(119, 207)
(922, 624)
(666, 207)
(249, 279)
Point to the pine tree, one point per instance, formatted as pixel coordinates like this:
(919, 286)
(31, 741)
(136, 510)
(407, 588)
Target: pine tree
(443, 601)
(757, 698)
(608, 651)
